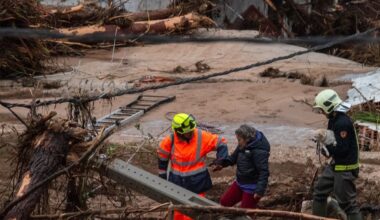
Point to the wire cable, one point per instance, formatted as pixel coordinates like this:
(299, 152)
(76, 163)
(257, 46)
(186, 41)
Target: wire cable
(27, 33)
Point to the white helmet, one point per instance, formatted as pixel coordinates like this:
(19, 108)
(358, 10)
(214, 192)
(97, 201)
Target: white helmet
(327, 100)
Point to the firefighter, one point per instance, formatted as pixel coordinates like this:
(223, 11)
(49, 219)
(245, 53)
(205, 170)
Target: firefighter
(186, 148)
(340, 142)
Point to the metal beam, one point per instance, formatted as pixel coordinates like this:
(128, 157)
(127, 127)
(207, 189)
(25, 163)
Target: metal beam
(151, 185)
(158, 189)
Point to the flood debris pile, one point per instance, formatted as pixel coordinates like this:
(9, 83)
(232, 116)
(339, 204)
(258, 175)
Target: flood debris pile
(91, 26)
(114, 21)
(29, 57)
(303, 78)
(20, 56)
(322, 18)
(317, 18)
(51, 144)
(88, 13)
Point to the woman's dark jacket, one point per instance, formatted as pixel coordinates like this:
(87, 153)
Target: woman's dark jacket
(252, 163)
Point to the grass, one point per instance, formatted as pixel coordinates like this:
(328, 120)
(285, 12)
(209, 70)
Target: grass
(367, 117)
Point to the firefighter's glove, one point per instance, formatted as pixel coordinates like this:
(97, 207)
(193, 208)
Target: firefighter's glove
(324, 136)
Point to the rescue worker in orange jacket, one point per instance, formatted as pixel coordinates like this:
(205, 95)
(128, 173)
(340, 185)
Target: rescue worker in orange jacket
(187, 148)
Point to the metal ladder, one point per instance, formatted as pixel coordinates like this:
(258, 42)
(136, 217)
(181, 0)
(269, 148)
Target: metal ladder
(131, 111)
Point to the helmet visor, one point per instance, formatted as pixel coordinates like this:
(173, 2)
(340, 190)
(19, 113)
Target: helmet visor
(188, 127)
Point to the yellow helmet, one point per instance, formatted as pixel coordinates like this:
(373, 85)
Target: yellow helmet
(327, 100)
(183, 123)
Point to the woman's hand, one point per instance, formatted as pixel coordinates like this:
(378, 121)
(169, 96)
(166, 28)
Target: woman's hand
(216, 167)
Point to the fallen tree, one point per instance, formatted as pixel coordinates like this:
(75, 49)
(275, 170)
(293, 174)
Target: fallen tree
(48, 150)
(170, 25)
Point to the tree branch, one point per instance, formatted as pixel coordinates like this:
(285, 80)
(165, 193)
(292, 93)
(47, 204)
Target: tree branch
(14, 113)
(125, 210)
(251, 212)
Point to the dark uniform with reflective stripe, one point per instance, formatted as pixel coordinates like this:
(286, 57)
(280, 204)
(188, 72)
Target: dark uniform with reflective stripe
(339, 176)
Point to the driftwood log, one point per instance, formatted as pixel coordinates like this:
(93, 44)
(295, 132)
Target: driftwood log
(49, 152)
(179, 23)
(219, 210)
(147, 16)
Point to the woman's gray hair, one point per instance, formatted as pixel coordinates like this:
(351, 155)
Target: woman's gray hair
(246, 132)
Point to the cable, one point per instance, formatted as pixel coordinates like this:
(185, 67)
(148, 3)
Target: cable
(159, 39)
(187, 80)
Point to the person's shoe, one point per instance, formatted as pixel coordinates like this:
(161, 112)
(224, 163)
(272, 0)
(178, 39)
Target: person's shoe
(333, 209)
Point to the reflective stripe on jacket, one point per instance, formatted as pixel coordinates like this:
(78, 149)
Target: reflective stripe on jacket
(188, 159)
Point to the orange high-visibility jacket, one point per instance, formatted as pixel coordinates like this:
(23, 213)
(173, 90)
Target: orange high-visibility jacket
(188, 159)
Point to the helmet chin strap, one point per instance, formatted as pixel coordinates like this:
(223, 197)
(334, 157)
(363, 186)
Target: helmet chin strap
(342, 107)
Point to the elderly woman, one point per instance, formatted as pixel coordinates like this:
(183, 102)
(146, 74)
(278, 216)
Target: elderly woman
(251, 157)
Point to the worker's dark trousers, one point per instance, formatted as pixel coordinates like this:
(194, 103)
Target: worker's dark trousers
(342, 185)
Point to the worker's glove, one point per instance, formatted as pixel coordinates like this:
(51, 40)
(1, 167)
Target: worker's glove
(324, 136)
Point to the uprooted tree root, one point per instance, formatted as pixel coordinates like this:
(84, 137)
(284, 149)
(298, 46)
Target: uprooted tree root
(49, 149)
(42, 151)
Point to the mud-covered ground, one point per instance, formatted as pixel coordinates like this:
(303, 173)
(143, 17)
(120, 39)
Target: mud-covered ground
(276, 106)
